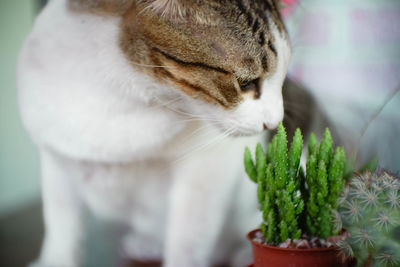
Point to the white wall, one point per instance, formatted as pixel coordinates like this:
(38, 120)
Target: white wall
(19, 165)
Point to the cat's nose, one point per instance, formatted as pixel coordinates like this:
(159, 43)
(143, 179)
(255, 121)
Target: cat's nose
(273, 111)
(270, 126)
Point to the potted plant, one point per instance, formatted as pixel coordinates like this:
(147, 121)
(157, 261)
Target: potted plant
(297, 205)
(370, 211)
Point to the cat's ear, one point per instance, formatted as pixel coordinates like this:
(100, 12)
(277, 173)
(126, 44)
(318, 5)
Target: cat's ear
(168, 8)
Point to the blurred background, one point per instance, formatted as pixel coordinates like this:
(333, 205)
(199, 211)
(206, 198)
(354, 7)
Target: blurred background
(347, 52)
(20, 218)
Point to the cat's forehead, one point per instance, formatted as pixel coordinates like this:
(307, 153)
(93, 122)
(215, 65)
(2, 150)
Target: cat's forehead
(238, 34)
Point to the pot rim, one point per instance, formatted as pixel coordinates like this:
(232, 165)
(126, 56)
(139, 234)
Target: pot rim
(251, 234)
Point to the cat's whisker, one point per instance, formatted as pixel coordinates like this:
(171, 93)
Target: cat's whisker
(198, 119)
(181, 112)
(197, 132)
(203, 146)
(188, 114)
(199, 147)
(152, 66)
(144, 7)
(213, 141)
(210, 130)
(166, 104)
(191, 117)
(201, 133)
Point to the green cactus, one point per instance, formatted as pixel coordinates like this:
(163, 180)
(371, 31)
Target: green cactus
(370, 211)
(294, 201)
(324, 179)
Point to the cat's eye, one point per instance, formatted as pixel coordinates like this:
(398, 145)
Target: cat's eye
(248, 85)
(253, 85)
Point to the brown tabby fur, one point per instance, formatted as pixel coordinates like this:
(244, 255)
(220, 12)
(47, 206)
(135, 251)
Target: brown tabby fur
(208, 52)
(100, 7)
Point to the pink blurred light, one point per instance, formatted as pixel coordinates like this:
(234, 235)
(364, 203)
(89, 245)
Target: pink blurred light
(290, 6)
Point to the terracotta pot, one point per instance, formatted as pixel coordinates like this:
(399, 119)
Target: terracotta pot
(270, 256)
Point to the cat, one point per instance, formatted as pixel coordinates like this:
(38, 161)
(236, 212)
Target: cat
(141, 111)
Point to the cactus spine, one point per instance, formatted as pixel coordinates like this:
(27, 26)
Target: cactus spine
(370, 212)
(287, 195)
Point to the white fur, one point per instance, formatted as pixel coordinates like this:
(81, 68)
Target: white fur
(117, 142)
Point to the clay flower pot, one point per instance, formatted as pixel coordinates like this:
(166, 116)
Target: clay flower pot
(266, 256)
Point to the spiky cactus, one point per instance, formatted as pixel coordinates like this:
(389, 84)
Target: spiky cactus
(287, 195)
(370, 212)
(275, 173)
(324, 179)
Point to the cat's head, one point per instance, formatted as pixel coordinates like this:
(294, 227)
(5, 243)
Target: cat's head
(229, 56)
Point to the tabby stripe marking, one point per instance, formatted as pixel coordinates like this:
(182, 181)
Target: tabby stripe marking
(250, 21)
(188, 84)
(272, 48)
(255, 26)
(199, 89)
(267, 5)
(262, 38)
(244, 10)
(196, 64)
(241, 7)
(264, 63)
(261, 15)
